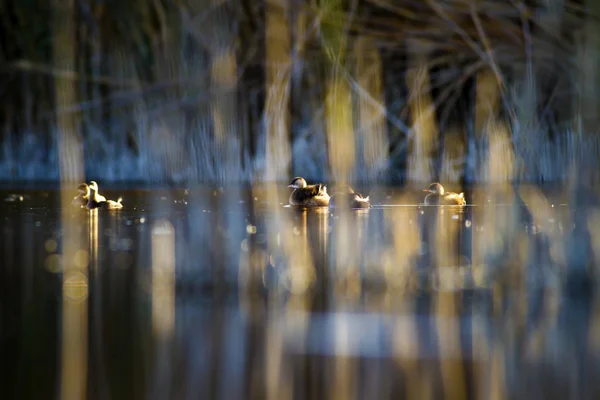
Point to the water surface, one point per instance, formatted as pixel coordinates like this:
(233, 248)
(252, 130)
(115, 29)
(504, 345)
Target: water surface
(228, 293)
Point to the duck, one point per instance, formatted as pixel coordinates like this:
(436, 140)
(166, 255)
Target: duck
(438, 196)
(350, 198)
(97, 196)
(82, 198)
(308, 195)
(95, 202)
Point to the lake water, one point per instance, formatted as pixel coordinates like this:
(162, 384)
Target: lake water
(228, 293)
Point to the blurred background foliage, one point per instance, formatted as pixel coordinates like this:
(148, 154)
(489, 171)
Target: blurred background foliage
(360, 90)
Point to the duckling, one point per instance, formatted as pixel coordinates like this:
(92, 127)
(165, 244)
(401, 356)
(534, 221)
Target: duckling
(438, 196)
(308, 195)
(351, 198)
(113, 205)
(106, 204)
(82, 198)
(98, 197)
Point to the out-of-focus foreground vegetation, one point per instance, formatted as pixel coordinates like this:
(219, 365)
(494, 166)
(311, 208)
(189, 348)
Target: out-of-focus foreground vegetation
(367, 90)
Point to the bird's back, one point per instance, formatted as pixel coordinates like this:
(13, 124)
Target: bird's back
(311, 195)
(455, 198)
(350, 200)
(448, 199)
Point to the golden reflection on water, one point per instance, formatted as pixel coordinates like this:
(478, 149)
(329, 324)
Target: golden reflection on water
(75, 292)
(163, 304)
(163, 279)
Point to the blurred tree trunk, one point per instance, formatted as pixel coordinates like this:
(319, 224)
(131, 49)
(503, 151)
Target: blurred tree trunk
(590, 63)
(308, 138)
(97, 60)
(499, 165)
(9, 138)
(301, 35)
(214, 25)
(197, 115)
(63, 51)
(487, 100)
(222, 35)
(550, 19)
(120, 66)
(424, 129)
(81, 64)
(277, 107)
(338, 94)
(340, 132)
(534, 89)
(453, 160)
(74, 274)
(372, 129)
(28, 102)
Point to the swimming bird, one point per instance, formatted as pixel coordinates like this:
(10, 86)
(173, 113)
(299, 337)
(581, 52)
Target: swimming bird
(350, 198)
(438, 196)
(82, 198)
(106, 204)
(308, 195)
(97, 196)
